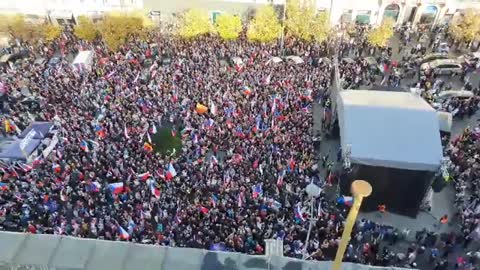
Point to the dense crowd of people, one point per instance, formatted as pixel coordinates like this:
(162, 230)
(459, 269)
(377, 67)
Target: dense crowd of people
(241, 174)
(464, 155)
(244, 164)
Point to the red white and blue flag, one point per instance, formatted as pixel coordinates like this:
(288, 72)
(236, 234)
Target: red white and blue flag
(124, 235)
(257, 191)
(95, 186)
(116, 188)
(155, 191)
(345, 200)
(171, 172)
(144, 176)
(214, 200)
(3, 186)
(298, 213)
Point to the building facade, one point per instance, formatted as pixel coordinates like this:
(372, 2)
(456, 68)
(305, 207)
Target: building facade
(359, 11)
(65, 11)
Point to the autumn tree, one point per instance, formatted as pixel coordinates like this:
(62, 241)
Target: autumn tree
(264, 27)
(19, 28)
(300, 18)
(195, 22)
(113, 34)
(85, 29)
(117, 28)
(466, 28)
(50, 32)
(228, 26)
(380, 36)
(321, 27)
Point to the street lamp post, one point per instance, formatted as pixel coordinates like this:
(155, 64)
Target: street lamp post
(360, 189)
(313, 192)
(282, 37)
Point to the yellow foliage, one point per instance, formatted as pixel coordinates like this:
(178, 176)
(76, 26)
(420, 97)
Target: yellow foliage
(195, 22)
(321, 27)
(142, 14)
(112, 30)
(229, 26)
(466, 27)
(264, 27)
(300, 18)
(380, 36)
(117, 27)
(85, 29)
(51, 32)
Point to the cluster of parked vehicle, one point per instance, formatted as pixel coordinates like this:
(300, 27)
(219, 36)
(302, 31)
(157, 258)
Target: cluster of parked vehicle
(440, 63)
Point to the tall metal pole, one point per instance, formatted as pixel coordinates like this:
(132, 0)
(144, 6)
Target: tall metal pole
(282, 37)
(330, 13)
(360, 190)
(310, 225)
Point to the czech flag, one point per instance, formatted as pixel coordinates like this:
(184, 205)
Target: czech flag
(214, 200)
(298, 213)
(345, 200)
(84, 146)
(123, 234)
(143, 176)
(116, 188)
(257, 191)
(100, 132)
(147, 147)
(209, 123)
(3, 186)
(280, 178)
(247, 91)
(56, 168)
(171, 172)
(155, 191)
(95, 186)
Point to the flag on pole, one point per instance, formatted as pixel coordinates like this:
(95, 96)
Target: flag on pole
(148, 138)
(116, 188)
(213, 200)
(3, 186)
(213, 160)
(345, 200)
(213, 108)
(247, 90)
(155, 191)
(25, 167)
(95, 186)
(298, 213)
(123, 234)
(171, 172)
(126, 132)
(144, 176)
(257, 191)
(84, 146)
(56, 168)
(280, 178)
